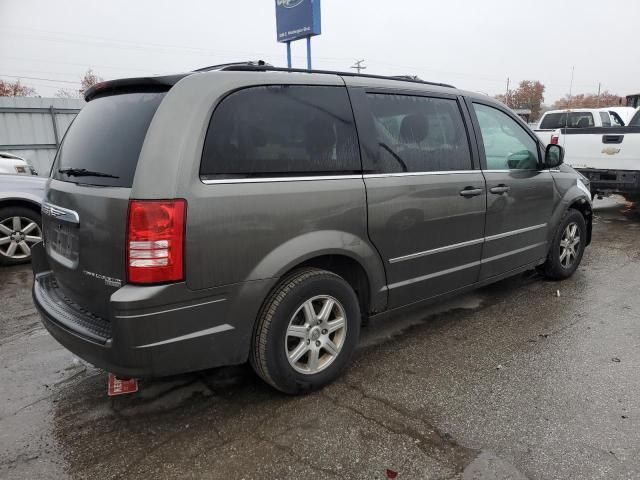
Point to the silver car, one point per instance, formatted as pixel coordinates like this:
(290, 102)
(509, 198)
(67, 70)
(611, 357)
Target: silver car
(20, 222)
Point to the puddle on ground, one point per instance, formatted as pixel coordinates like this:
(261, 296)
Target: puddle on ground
(379, 331)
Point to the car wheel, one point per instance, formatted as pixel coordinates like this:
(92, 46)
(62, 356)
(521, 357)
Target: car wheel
(568, 246)
(306, 332)
(20, 229)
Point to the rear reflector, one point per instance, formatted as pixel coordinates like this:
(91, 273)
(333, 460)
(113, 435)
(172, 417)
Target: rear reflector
(155, 243)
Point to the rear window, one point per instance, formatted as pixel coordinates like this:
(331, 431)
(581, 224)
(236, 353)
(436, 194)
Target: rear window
(551, 121)
(103, 144)
(635, 121)
(281, 130)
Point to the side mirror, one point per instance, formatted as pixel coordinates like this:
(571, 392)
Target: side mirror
(553, 156)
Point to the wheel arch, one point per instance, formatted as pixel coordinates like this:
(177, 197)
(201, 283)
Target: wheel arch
(584, 207)
(349, 269)
(21, 202)
(340, 252)
(578, 200)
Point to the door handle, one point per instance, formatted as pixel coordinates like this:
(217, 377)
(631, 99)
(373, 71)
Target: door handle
(500, 189)
(471, 192)
(612, 138)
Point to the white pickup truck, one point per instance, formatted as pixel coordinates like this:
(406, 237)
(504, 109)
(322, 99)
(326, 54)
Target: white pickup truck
(573, 118)
(608, 156)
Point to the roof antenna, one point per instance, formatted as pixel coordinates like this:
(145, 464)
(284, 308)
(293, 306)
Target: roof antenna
(566, 118)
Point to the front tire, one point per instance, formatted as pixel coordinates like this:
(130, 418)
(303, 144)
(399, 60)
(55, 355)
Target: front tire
(567, 248)
(306, 332)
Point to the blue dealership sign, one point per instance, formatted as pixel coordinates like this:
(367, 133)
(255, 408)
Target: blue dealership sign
(297, 19)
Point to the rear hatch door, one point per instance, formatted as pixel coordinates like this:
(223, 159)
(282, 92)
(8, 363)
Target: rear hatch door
(86, 205)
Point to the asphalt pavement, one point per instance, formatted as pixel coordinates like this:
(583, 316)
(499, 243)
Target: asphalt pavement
(526, 378)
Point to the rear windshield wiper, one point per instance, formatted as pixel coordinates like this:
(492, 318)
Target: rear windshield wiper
(83, 172)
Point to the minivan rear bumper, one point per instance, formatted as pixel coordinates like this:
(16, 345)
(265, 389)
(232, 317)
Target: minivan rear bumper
(152, 330)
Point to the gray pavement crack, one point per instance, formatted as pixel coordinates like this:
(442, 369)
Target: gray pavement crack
(300, 460)
(434, 446)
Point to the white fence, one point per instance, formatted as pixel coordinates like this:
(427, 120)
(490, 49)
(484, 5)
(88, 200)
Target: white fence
(32, 128)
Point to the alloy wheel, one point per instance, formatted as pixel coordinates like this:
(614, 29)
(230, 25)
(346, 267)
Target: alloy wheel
(17, 236)
(316, 334)
(569, 245)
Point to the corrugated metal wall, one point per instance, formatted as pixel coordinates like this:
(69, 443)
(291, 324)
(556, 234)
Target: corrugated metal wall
(33, 127)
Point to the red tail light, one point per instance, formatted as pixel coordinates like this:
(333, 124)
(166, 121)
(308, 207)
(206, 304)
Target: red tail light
(554, 139)
(155, 243)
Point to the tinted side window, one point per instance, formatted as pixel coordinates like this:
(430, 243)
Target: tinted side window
(418, 134)
(606, 121)
(506, 144)
(281, 131)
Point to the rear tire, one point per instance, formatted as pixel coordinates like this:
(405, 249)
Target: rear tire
(20, 229)
(306, 332)
(567, 247)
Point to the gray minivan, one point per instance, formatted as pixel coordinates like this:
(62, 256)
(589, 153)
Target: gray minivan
(246, 212)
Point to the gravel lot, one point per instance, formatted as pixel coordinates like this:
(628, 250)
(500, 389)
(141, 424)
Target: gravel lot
(510, 381)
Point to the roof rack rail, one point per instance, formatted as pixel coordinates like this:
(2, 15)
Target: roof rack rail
(407, 77)
(264, 67)
(224, 66)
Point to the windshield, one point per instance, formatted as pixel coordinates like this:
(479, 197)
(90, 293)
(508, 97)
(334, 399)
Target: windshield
(103, 144)
(635, 121)
(551, 121)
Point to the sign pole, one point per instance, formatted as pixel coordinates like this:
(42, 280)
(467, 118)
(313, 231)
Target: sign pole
(297, 20)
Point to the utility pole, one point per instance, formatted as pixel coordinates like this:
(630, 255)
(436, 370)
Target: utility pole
(506, 95)
(598, 104)
(358, 65)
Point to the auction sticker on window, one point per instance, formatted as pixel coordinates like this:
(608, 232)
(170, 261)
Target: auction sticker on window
(119, 386)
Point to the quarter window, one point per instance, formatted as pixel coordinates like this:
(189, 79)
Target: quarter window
(418, 134)
(281, 130)
(506, 144)
(606, 120)
(615, 119)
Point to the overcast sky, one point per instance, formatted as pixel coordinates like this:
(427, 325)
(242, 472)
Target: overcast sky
(473, 44)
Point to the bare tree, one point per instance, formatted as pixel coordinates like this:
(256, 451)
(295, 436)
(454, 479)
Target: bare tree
(68, 93)
(15, 89)
(589, 100)
(88, 80)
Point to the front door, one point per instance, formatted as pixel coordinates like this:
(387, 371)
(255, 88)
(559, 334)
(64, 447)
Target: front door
(520, 195)
(426, 202)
